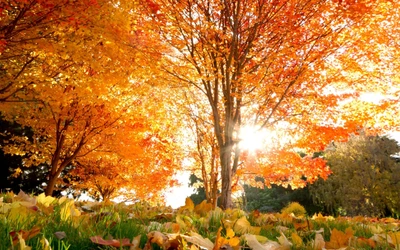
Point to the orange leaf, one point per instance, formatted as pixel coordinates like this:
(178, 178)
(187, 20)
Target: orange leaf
(115, 243)
(26, 235)
(339, 239)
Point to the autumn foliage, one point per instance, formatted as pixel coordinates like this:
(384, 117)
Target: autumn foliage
(275, 65)
(122, 94)
(77, 82)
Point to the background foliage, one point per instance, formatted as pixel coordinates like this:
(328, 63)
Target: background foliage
(365, 178)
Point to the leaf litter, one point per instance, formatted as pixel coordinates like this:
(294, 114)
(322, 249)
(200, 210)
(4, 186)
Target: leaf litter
(196, 227)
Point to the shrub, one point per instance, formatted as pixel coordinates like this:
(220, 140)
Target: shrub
(295, 208)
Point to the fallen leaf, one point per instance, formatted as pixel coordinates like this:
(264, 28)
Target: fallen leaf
(24, 234)
(189, 206)
(22, 244)
(60, 235)
(45, 200)
(285, 243)
(296, 239)
(319, 242)
(395, 237)
(253, 243)
(203, 208)
(242, 226)
(362, 242)
(135, 243)
(198, 240)
(25, 198)
(112, 242)
(174, 227)
(375, 229)
(158, 238)
(339, 239)
(264, 219)
(302, 226)
(45, 244)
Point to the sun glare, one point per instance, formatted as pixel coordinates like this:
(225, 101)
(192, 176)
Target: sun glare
(253, 139)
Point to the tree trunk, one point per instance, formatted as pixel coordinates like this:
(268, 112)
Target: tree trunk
(50, 185)
(226, 178)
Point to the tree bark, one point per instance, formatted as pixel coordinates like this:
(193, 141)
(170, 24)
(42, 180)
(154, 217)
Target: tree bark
(50, 185)
(226, 177)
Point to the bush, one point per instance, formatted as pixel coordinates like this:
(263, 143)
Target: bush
(295, 208)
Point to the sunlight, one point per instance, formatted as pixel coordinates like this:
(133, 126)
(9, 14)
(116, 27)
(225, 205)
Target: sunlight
(252, 139)
(176, 196)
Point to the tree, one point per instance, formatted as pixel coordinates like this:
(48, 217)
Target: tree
(87, 94)
(106, 175)
(263, 64)
(365, 178)
(25, 28)
(275, 198)
(205, 156)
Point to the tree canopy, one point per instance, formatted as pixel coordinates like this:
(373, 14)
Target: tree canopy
(144, 88)
(276, 65)
(82, 90)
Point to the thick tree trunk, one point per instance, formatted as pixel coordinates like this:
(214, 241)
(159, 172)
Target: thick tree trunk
(50, 185)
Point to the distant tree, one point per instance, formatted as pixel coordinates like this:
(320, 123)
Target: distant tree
(200, 194)
(365, 179)
(274, 198)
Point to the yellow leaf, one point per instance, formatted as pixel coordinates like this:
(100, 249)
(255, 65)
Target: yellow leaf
(68, 210)
(158, 238)
(375, 229)
(230, 233)
(45, 200)
(242, 226)
(21, 214)
(45, 244)
(230, 238)
(22, 245)
(203, 208)
(261, 239)
(296, 239)
(395, 237)
(189, 206)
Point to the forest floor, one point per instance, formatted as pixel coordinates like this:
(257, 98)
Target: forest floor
(40, 222)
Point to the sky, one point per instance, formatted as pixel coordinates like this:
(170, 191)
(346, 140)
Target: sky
(395, 135)
(176, 196)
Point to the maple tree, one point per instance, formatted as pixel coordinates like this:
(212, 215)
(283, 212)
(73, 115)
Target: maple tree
(26, 26)
(85, 93)
(126, 170)
(268, 64)
(205, 156)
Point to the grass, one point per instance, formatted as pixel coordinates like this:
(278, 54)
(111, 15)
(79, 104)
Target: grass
(68, 226)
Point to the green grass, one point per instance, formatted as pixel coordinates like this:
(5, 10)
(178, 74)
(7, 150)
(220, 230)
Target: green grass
(121, 221)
